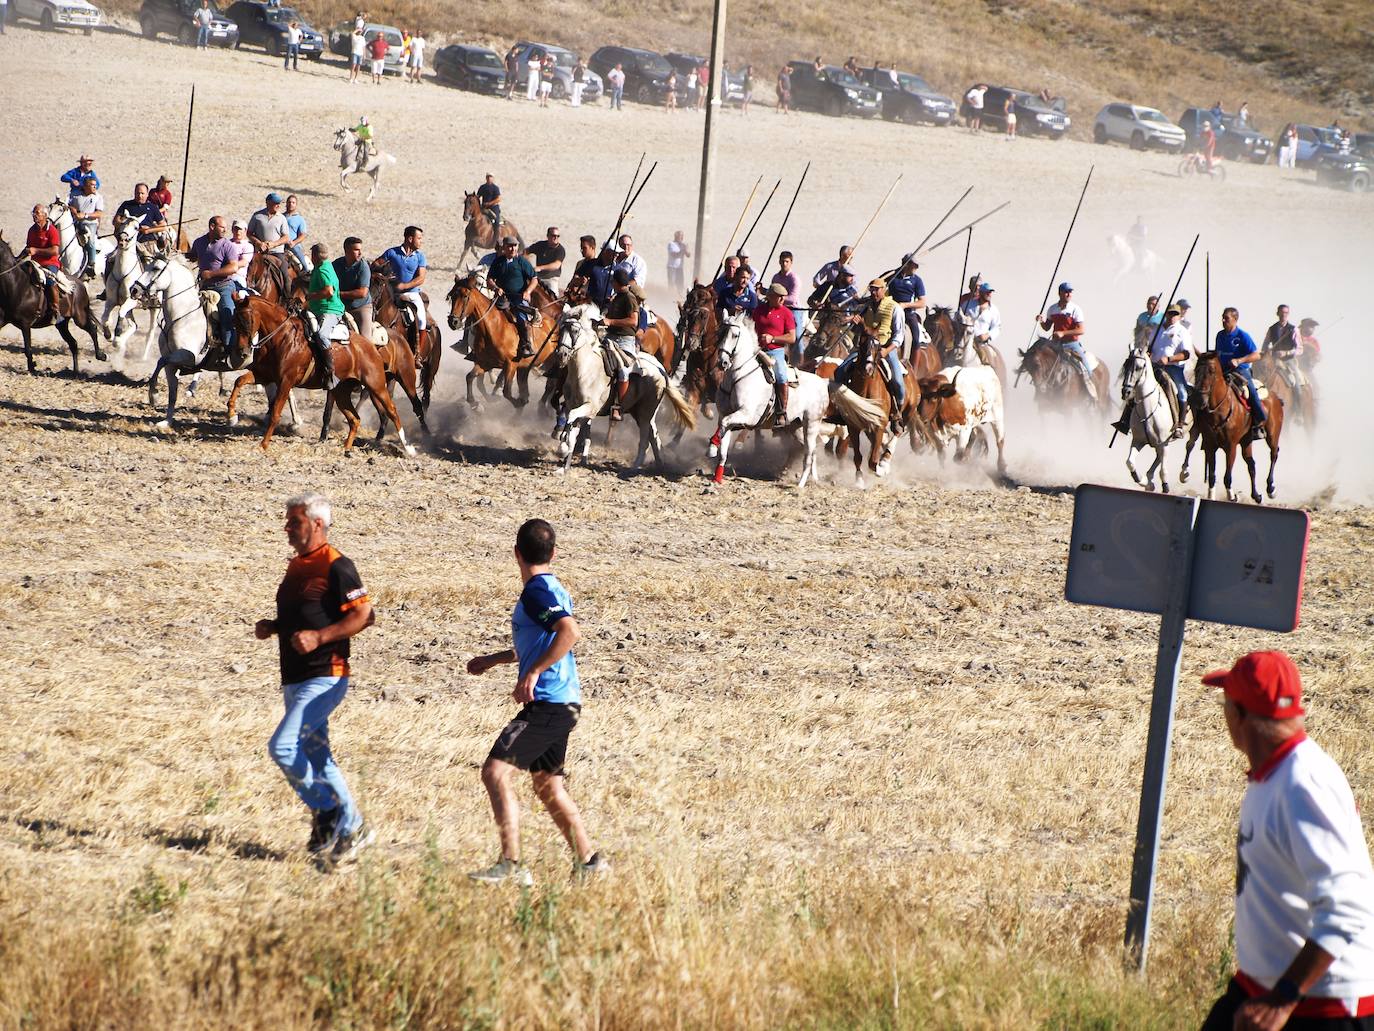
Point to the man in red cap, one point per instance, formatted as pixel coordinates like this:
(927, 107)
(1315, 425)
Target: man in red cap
(1304, 886)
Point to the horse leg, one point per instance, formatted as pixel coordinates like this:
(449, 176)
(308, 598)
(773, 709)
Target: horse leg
(1247, 452)
(66, 333)
(1273, 460)
(811, 434)
(1160, 468)
(92, 327)
(274, 413)
(246, 378)
(1188, 453)
(324, 419)
(1130, 463)
(381, 423)
(372, 192)
(344, 400)
(522, 375)
(412, 390)
(855, 439)
(375, 380)
(171, 373)
(27, 333)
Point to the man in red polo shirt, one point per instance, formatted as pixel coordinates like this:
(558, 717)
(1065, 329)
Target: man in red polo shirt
(776, 327)
(1304, 886)
(44, 247)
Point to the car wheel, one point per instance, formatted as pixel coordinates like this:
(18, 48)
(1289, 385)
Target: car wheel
(889, 114)
(1359, 182)
(89, 29)
(45, 20)
(186, 35)
(149, 28)
(238, 43)
(274, 46)
(1137, 140)
(834, 106)
(1099, 133)
(317, 56)
(558, 92)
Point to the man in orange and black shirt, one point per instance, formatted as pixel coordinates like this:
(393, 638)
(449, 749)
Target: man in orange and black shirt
(321, 603)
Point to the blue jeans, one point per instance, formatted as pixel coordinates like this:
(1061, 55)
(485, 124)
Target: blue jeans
(617, 92)
(203, 36)
(225, 288)
(898, 373)
(1076, 348)
(630, 347)
(293, 56)
(778, 355)
(299, 252)
(88, 241)
(1256, 408)
(300, 747)
(798, 348)
(1180, 381)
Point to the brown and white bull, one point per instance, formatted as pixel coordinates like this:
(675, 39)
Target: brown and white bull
(956, 402)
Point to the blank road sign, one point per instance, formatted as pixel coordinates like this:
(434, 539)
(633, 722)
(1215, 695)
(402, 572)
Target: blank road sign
(1247, 565)
(1119, 547)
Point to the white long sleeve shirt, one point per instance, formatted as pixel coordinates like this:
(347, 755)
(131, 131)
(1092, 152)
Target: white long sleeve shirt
(987, 320)
(1170, 341)
(1303, 872)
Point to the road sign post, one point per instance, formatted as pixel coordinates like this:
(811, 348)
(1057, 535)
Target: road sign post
(1183, 559)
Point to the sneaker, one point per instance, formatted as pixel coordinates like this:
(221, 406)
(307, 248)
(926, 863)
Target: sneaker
(596, 866)
(322, 830)
(505, 870)
(347, 846)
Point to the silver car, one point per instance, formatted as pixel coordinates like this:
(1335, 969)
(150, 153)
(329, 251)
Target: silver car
(1141, 127)
(340, 37)
(563, 62)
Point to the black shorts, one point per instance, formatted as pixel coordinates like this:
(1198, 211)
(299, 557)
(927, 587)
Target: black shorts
(537, 739)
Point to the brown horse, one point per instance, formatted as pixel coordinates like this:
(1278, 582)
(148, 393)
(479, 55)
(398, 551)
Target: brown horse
(24, 303)
(493, 340)
(426, 348)
(1058, 385)
(479, 233)
(866, 379)
(833, 336)
(698, 329)
(1299, 402)
(398, 360)
(274, 344)
(950, 338)
(1221, 417)
(272, 276)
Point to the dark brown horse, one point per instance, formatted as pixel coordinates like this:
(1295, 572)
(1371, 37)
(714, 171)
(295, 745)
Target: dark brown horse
(866, 379)
(479, 233)
(273, 343)
(426, 348)
(272, 276)
(24, 303)
(950, 337)
(492, 339)
(1058, 384)
(698, 330)
(1221, 417)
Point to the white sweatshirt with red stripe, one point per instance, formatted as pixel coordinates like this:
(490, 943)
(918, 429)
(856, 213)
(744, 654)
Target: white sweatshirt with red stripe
(1303, 872)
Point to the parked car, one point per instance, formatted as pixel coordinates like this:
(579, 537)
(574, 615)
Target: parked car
(1141, 127)
(265, 25)
(908, 97)
(176, 18)
(833, 92)
(341, 34)
(1034, 117)
(50, 14)
(1362, 143)
(1234, 141)
(473, 68)
(1343, 170)
(646, 72)
(683, 65)
(1314, 141)
(563, 62)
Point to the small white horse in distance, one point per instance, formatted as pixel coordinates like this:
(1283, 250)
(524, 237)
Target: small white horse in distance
(1128, 259)
(588, 387)
(745, 396)
(1152, 419)
(122, 270)
(73, 253)
(353, 157)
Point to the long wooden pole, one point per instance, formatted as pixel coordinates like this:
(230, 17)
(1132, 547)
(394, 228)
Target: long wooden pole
(1072, 222)
(625, 204)
(785, 219)
(714, 93)
(869, 225)
(1207, 311)
(738, 222)
(766, 201)
(959, 232)
(185, 166)
(963, 276)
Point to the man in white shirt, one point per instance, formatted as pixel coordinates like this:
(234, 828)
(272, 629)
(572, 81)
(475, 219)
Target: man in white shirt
(415, 64)
(631, 261)
(87, 208)
(1304, 928)
(828, 272)
(678, 252)
(975, 106)
(1169, 349)
(987, 320)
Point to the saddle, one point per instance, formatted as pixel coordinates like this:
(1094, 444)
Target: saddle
(381, 337)
(337, 335)
(770, 372)
(1238, 387)
(1170, 394)
(1291, 372)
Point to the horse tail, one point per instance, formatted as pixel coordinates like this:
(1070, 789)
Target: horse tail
(857, 411)
(390, 158)
(683, 412)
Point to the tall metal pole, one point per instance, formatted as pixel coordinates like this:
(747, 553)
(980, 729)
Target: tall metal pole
(185, 165)
(708, 142)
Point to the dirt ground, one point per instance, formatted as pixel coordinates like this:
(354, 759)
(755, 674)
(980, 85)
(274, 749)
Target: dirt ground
(886, 683)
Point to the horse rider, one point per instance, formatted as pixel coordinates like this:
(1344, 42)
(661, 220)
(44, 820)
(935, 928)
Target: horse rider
(267, 229)
(161, 194)
(217, 258)
(151, 225)
(1136, 236)
(408, 266)
(1064, 321)
(593, 271)
(1311, 348)
(367, 143)
(839, 294)
(777, 331)
(968, 301)
(1237, 350)
(739, 296)
(322, 297)
(828, 272)
(908, 292)
(987, 320)
(76, 176)
(1168, 351)
(1146, 322)
(43, 247)
(787, 279)
(513, 277)
(355, 284)
(296, 229)
(243, 252)
(87, 208)
(632, 261)
(726, 280)
(1183, 306)
(1283, 342)
(547, 256)
(622, 323)
(743, 255)
(878, 316)
(489, 200)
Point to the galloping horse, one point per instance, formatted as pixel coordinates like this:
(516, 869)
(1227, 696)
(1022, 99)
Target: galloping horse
(353, 157)
(952, 339)
(479, 233)
(698, 329)
(273, 344)
(1286, 381)
(865, 378)
(493, 340)
(1152, 418)
(1058, 385)
(428, 349)
(832, 337)
(24, 303)
(398, 361)
(71, 252)
(272, 277)
(1221, 417)
(122, 269)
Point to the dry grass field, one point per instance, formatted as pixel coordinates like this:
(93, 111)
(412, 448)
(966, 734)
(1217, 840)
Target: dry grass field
(856, 762)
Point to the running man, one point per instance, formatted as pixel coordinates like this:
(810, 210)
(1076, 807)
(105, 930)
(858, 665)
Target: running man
(321, 603)
(544, 633)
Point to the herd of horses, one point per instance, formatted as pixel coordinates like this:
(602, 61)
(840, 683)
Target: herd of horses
(705, 361)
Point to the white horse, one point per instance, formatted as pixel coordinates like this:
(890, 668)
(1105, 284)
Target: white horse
(1130, 259)
(1152, 420)
(353, 157)
(745, 396)
(588, 387)
(122, 269)
(73, 253)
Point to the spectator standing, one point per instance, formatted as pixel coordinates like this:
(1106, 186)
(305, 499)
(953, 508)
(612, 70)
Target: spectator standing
(547, 256)
(1243, 115)
(88, 207)
(670, 92)
(974, 99)
(292, 59)
(784, 88)
(360, 21)
(416, 68)
(1304, 909)
(202, 18)
(678, 253)
(377, 49)
(1009, 112)
(534, 61)
(703, 85)
(321, 603)
(748, 89)
(357, 51)
(545, 79)
(296, 228)
(616, 78)
(512, 71)
(692, 88)
(355, 284)
(579, 82)
(405, 50)
(1288, 146)
(4, 15)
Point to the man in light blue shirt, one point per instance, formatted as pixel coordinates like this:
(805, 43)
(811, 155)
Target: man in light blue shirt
(544, 633)
(296, 232)
(408, 267)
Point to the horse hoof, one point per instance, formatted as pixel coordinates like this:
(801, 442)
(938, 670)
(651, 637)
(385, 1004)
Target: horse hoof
(410, 451)
(1149, 487)
(1164, 488)
(233, 420)
(711, 452)
(1183, 476)
(163, 426)
(101, 356)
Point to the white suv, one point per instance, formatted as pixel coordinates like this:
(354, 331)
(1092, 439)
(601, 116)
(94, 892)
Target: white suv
(1141, 127)
(52, 14)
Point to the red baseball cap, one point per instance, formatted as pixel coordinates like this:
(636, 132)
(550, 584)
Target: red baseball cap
(1263, 683)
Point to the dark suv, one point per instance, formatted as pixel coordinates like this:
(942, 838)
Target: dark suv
(1034, 117)
(646, 72)
(177, 18)
(265, 25)
(683, 65)
(1235, 142)
(908, 97)
(832, 91)
(474, 68)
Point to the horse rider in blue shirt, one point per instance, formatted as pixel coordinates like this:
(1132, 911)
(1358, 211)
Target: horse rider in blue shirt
(408, 269)
(908, 291)
(514, 276)
(739, 296)
(1237, 350)
(78, 175)
(725, 282)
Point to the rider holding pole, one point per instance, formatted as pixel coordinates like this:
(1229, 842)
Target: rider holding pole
(1237, 350)
(514, 276)
(1064, 320)
(777, 330)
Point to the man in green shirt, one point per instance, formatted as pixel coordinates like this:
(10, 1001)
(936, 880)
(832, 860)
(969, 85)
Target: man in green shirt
(326, 305)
